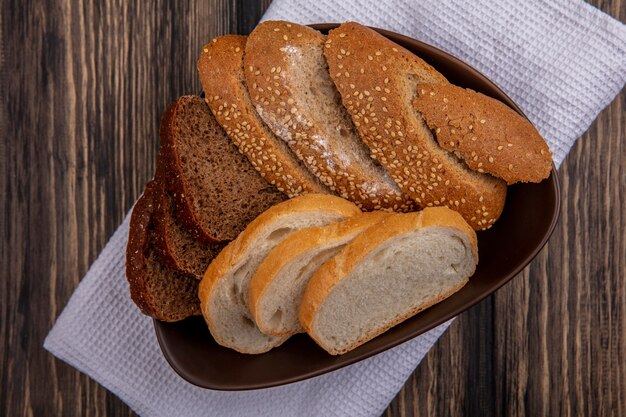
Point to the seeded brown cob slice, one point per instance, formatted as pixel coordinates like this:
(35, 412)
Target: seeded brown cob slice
(158, 291)
(377, 80)
(487, 134)
(176, 247)
(288, 81)
(221, 73)
(216, 190)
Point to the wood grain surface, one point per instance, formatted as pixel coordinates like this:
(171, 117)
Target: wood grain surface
(84, 83)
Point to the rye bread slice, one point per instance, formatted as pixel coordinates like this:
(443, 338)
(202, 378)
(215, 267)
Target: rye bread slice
(177, 248)
(216, 190)
(158, 291)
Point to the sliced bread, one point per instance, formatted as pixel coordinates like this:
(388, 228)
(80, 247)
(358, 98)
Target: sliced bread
(224, 289)
(487, 134)
(388, 273)
(378, 80)
(177, 248)
(288, 81)
(221, 73)
(157, 290)
(216, 190)
(277, 287)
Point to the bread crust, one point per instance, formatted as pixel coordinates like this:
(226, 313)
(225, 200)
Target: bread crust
(231, 255)
(221, 73)
(297, 244)
(272, 52)
(488, 135)
(339, 267)
(378, 92)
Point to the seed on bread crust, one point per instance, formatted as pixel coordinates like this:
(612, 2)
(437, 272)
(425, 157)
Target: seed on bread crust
(488, 135)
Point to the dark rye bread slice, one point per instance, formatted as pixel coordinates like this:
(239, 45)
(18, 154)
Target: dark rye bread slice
(220, 68)
(216, 190)
(158, 291)
(487, 134)
(177, 248)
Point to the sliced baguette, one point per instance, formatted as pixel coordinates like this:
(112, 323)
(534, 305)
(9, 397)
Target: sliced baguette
(377, 80)
(216, 190)
(277, 287)
(487, 134)
(387, 274)
(221, 73)
(224, 288)
(157, 290)
(287, 77)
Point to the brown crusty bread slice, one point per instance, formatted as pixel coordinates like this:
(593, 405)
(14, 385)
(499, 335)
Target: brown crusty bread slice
(158, 291)
(221, 73)
(377, 80)
(487, 134)
(388, 273)
(176, 247)
(216, 189)
(288, 81)
(277, 287)
(224, 288)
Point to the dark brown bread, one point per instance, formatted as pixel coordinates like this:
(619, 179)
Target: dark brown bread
(176, 247)
(488, 135)
(216, 190)
(377, 80)
(158, 291)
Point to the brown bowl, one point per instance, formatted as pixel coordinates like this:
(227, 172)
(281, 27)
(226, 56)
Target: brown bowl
(529, 217)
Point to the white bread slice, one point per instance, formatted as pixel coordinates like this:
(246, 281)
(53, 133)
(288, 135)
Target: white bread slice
(220, 68)
(405, 264)
(224, 288)
(277, 288)
(378, 80)
(289, 84)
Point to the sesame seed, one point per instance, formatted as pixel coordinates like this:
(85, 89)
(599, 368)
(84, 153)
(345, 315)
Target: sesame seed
(510, 167)
(276, 29)
(206, 50)
(491, 159)
(482, 121)
(509, 145)
(342, 35)
(500, 147)
(237, 49)
(378, 53)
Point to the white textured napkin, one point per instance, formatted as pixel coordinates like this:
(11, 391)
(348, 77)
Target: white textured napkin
(561, 61)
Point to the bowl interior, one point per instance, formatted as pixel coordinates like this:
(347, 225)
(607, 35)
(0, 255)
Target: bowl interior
(528, 219)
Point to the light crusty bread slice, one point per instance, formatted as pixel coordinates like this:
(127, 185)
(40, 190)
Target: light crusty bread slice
(377, 80)
(157, 290)
(216, 190)
(224, 289)
(288, 81)
(277, 286)
(487, 134)
(405, 264)
(221, 73)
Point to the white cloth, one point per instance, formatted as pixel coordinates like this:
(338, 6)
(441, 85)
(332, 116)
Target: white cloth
(561, 61)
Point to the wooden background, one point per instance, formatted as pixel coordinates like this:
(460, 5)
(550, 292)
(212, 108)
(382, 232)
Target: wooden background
(84, 83)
